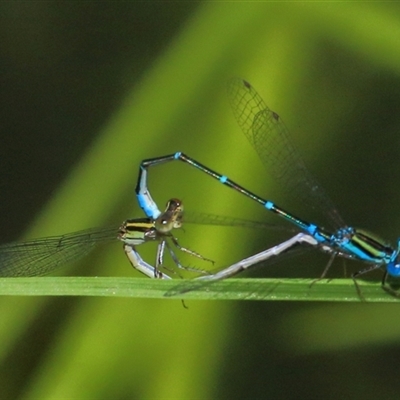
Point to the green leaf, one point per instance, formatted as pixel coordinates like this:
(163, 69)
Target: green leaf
(341, 290)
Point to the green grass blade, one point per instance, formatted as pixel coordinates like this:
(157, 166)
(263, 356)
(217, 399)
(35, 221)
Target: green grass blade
(341, 290)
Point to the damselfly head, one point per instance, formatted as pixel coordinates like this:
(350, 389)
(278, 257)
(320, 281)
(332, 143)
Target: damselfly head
(171, 218)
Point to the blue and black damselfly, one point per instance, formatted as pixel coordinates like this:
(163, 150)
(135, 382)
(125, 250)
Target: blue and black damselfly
(269, 137)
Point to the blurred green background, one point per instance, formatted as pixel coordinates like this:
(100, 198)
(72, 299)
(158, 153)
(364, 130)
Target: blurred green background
(90, 89)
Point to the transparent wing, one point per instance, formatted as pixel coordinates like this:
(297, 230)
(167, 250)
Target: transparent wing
(201, 218)
(270, 138)
(42, 256)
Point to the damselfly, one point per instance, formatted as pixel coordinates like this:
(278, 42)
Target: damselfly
(269, 137)
(42, 256)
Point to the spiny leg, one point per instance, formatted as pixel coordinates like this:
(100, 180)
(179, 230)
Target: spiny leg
(386, 286)
(357, 274)
(188, 251)
(326, 269)
(192, 253)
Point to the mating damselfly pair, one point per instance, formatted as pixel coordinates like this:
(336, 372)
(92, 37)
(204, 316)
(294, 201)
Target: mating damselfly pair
(269, 137)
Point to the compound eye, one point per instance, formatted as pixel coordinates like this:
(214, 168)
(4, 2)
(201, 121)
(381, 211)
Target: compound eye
(393, 269)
